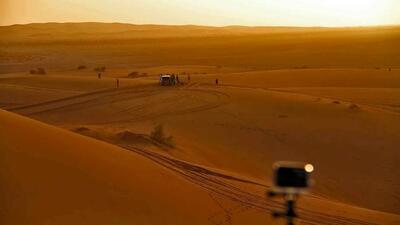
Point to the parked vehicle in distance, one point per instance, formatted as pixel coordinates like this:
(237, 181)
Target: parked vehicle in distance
(167, 80)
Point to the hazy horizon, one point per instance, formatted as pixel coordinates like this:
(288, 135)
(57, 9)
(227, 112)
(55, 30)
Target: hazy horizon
(300, 13)
(201, 25)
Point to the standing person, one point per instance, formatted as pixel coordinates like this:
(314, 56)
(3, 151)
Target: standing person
(99, 75)
(216, 81)
(173, 79)
(117, 83)
(177, 79)
(188, 77)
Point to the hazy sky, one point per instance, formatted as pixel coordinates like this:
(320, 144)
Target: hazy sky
(205, 12)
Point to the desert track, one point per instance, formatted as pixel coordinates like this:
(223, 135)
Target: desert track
(150, 97)
(374, 107)
(136, 101)
(224, 185)
(113, 95)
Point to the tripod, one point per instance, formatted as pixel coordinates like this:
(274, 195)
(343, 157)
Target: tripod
(289, 213)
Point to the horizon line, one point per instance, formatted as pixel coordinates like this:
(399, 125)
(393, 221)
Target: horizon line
(203, 25)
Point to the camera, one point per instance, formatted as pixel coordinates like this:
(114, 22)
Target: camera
(291, 177)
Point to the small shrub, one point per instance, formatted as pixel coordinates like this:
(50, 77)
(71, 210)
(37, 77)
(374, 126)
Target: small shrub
(82, 67)
(40, 71)
(159, 136)
(336, 102)
(82, 129)
(354, 107)
(133, 74)
(100, 69)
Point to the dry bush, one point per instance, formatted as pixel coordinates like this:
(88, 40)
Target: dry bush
(159, 136)
(133, 138)
(133, 74)
(39, 71)
(81, 129)
(100, 69)
(354, 107)
(82, 67)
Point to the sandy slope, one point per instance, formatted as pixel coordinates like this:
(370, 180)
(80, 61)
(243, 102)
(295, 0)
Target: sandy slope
(22, 89)
(246, 129)
(50, 176)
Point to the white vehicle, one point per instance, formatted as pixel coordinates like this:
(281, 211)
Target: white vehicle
(167, 80)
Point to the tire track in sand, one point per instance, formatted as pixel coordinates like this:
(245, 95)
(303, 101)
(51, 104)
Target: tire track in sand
(221, 184)
(101, 98)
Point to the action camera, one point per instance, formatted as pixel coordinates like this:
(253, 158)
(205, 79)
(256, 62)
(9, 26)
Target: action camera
(291, 177)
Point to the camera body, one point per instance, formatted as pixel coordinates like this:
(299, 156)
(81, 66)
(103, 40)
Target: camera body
(291, 177)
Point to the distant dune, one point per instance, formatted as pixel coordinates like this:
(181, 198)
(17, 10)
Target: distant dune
(74, 31)
(69, 44)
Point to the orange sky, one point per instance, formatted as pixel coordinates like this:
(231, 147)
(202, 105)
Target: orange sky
(205, 12)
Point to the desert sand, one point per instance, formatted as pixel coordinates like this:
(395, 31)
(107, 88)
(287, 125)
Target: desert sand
(329, 96)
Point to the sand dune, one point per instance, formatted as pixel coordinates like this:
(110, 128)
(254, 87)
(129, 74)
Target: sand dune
(204, 118)
(326, 96)
(50, 176)
(53, 176)
(102, 31)
(259, 48)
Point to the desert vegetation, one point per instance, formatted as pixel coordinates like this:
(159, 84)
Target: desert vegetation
(82, 67)
(133, 74)
(158, 135)
(353, 106)
(136, 74)
(38, 71)
(100, 69)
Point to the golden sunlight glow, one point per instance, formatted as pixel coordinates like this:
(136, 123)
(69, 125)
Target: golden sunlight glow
(205, 12)
(361, 12)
